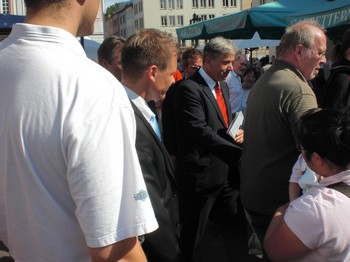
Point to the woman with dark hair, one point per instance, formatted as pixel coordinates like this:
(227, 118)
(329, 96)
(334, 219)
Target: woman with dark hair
(315, 226)
(336, 93)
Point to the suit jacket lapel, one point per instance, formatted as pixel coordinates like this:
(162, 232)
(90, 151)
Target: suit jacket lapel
(168, 160)
(199, 79)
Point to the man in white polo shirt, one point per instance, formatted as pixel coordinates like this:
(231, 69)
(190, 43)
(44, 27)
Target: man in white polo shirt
(71, 187)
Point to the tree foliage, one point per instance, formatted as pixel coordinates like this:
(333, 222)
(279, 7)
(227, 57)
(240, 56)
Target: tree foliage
(111, 10)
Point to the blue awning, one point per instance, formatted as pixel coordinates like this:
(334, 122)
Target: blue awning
(6, 21)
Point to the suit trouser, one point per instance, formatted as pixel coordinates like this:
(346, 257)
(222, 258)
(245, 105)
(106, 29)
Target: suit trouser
(260, 223)
(221, 213)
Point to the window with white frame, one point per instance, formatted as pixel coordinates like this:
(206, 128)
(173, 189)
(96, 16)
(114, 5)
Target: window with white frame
(164, 21)
(233, 2)
(225, 3)
(211, 3)
(204, 17)
(135, 9)
(5, 7)
(141, 23)
(195, 3)
(162, 4)
(211, 16)
(171, 20)
(203, 3)
(179, 4)
(180, 20)
(171, 4)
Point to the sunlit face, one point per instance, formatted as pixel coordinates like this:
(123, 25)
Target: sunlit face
(249, 79)
(193, 65)
(218, 68)
(164, 79)
(312, 58)
(116, 66)
(240, 65)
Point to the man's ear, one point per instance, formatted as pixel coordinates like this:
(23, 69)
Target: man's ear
(104, 63)
(152, 72)
(298, 50)
(80, 2)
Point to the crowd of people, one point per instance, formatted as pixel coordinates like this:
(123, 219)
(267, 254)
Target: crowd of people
(134, 158)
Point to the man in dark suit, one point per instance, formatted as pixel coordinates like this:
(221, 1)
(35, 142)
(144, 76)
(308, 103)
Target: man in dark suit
(145, 79)
(191, 61)
(206, 160)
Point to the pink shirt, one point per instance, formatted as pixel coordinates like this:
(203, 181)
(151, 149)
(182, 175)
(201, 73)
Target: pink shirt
(320, 219)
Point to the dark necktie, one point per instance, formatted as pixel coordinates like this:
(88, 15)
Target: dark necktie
(221, 102)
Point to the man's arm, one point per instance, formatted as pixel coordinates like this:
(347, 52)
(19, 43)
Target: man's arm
(126, 250)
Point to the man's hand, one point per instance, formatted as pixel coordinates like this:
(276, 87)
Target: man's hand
(239, 136)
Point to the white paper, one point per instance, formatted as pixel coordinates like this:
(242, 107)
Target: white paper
(235, 124)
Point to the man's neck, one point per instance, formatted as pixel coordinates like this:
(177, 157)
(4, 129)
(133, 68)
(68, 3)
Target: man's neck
(46, 17)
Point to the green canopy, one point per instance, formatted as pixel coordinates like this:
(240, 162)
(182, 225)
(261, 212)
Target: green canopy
(223, 26)
(334, 16)
(269, 20)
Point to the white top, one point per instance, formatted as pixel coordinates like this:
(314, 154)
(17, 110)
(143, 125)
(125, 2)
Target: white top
(303, 175)
(69, 171)
(236, 91)
(146, 111)
(320, 219)
(210, 82)
(140, 103)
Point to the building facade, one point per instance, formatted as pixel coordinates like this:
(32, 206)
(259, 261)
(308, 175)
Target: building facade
(12, 7)
(166, 15)
(17, 7)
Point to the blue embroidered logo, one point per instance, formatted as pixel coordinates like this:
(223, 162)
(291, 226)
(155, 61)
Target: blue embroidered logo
(142, 195)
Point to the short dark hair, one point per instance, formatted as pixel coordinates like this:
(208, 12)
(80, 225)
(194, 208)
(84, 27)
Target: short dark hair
(327, 133)
(249, 70)
(106, 49)
(190, 53)
(338, 52)
(36, 4)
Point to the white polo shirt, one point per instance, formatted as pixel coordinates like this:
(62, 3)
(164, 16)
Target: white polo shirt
(69, 172)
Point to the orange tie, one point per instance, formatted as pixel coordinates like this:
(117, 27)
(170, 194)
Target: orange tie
(221, 102)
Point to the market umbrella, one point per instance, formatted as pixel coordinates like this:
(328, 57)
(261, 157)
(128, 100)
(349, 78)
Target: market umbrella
(269, 20)
(334, 16)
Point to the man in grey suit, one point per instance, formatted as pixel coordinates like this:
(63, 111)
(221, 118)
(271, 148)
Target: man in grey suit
(149, 60)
